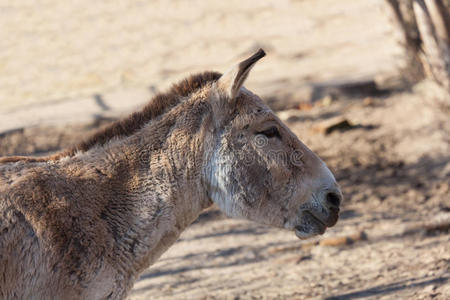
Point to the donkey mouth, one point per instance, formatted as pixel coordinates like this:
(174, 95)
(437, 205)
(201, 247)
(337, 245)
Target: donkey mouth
(310, 225)
(315, 218)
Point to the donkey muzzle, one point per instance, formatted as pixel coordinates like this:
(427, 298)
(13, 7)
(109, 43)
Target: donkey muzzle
(321, 212)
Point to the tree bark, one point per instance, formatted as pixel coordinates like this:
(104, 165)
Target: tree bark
(425, 27)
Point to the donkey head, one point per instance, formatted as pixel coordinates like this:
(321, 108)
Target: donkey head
(258, 169)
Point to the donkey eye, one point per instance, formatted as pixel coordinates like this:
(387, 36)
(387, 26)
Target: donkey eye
(271, 132)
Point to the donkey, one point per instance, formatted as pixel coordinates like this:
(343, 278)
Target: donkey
(85, 222)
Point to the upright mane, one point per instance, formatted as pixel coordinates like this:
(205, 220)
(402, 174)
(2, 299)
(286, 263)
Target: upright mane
(157, 106)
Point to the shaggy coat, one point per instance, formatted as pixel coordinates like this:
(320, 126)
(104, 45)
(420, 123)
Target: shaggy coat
(85, 222)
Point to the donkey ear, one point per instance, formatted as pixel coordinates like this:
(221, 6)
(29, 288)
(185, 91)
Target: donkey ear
(232, 81)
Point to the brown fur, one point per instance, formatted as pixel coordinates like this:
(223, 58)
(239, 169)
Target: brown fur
(126, 127)
(86, 222)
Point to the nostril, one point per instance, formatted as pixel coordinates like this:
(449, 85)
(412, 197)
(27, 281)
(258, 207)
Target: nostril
(334, 199)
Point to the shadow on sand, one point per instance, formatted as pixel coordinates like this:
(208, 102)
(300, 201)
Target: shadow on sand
(390, 288)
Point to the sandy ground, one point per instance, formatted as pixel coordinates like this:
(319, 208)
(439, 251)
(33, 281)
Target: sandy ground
(53, 51)
(67, 69)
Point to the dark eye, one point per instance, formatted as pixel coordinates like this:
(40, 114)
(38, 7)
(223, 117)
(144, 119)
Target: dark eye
(271, 132)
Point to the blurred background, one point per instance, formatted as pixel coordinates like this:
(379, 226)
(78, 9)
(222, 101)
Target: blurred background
(365, 84)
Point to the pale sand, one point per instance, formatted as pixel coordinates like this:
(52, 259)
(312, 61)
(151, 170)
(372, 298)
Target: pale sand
(54, 51)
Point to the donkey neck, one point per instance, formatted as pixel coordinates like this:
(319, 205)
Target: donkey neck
(155, 183)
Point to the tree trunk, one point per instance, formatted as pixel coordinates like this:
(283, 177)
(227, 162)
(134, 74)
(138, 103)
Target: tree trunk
(425, 26)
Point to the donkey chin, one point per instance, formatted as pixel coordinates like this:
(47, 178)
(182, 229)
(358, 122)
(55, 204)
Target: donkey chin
(314, 221)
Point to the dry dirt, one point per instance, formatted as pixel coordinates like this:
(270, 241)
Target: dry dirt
(393, 163)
